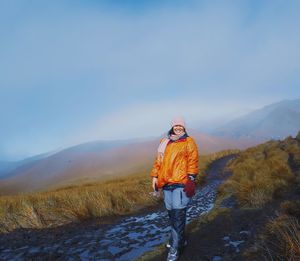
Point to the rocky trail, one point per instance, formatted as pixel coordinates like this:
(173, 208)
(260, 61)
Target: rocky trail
(124, 238)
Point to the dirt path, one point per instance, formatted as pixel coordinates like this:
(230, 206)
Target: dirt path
(125, 239)
(231, 235)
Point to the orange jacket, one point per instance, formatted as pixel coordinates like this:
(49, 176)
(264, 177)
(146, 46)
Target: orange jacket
(180, 159)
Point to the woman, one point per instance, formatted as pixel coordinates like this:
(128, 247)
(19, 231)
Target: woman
(174, 171)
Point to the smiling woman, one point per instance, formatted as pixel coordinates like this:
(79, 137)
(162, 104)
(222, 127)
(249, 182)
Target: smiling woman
(174, 171)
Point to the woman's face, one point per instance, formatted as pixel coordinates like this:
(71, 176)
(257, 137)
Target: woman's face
(178, 129)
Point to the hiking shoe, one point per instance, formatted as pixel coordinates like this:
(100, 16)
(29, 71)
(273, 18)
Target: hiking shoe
(173, 254)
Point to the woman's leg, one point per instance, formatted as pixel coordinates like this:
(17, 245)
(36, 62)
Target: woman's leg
(179, 203)
(168, 200)
(176, 203)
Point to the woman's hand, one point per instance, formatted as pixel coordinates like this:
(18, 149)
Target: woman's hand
(154, 183)
(190, 188)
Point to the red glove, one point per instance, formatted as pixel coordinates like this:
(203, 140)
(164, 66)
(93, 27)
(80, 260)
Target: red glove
(189, 188)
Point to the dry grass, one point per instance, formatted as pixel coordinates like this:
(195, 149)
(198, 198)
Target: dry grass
(53, 208)
(261, 173)
(281, 239)
(74, 203)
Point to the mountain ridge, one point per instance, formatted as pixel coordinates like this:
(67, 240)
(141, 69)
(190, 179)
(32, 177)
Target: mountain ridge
(276, 120)
(88, 162)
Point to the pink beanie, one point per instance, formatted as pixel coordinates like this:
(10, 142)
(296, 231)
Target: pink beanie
(178, 121)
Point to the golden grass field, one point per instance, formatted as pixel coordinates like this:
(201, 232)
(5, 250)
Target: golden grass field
(260, 175)
(74, 203)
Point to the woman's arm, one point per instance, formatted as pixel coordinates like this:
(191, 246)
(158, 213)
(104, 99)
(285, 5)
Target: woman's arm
(192, 169)
(156, 167)
(155, 170)
(193, 158)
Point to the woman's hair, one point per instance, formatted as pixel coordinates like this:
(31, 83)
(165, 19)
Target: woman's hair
(171, 131)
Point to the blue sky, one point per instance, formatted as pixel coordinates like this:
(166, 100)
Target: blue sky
(76, 71)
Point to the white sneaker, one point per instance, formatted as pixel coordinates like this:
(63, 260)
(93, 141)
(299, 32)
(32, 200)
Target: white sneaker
(172, 255)
(168, 244)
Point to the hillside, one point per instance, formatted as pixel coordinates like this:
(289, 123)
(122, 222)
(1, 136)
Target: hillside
(99, 160)
(76, 203)
(257, 211)
(247, 207)
(277, 120)
(83, 222)
(7, 167)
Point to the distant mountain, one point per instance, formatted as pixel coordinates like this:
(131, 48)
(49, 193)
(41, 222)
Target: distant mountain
(277, 120)
(81, 163)
(101, 160)
(7, 167)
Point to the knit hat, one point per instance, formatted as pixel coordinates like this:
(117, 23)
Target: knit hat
(179, 120)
